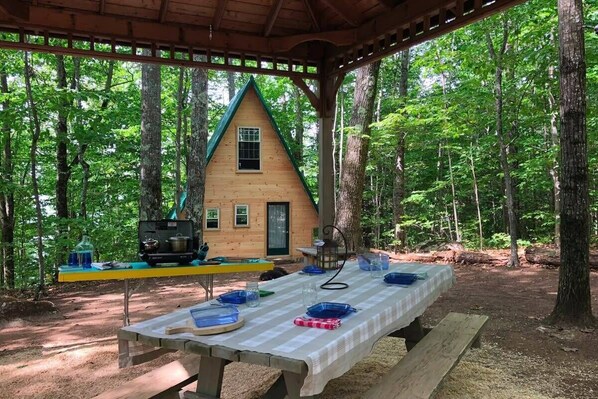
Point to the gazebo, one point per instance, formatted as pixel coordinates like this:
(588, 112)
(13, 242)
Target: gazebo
(314, 43)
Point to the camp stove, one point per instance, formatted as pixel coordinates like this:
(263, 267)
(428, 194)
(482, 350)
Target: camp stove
(166, 241)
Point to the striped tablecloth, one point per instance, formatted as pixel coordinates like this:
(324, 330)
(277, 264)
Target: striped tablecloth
(328, 354)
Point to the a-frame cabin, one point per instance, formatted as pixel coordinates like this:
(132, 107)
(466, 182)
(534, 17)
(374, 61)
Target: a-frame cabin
(257, 203)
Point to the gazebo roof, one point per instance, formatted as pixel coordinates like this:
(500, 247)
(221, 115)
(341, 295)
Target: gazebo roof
(297, 38)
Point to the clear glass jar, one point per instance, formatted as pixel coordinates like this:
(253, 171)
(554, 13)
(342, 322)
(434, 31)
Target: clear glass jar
(84, 251)
(252, 294)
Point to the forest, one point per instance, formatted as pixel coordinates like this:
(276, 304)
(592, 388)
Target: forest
(461, 144)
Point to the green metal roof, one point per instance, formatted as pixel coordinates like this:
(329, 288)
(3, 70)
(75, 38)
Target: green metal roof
(225, 123)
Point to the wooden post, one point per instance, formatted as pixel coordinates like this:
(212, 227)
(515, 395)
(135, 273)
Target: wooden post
(327, 94)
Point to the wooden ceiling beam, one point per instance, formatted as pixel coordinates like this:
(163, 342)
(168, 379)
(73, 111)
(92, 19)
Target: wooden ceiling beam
(310, 9)
(346, 10)
(272, 15)
(124, 31)
(15, 8)
(163, 10)
(102, 8)
(218, 14)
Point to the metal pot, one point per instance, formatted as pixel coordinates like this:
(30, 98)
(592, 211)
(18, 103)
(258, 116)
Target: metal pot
(150, 245)
(178, 243)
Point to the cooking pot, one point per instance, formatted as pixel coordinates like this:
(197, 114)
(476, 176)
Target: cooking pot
(178, 243)
(150, 245)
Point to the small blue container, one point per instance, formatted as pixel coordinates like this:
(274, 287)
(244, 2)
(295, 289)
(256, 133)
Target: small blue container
(73, 259)
(366, 259)
(85, 259)
(215, 315)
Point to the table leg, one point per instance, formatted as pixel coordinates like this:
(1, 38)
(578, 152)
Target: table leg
(209, 379)
(207, 283)
(413, 333)
(288, 385)
(126, 320)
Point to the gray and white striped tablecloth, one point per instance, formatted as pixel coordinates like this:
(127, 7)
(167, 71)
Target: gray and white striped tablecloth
(269, 328)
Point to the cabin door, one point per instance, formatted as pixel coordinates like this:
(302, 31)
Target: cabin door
(278, 228)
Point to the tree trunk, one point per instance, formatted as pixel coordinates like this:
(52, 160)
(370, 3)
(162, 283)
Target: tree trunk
(150, 205)
(552, 256)
(196, 168)
(41, 287)
(574, 301)
(7, 198)
(398, 197)
(477, 200)
(348, 217)
(179, 126)
(63, 170)
(299, 129)
(497, 58)
(554, 169)
(230, 77)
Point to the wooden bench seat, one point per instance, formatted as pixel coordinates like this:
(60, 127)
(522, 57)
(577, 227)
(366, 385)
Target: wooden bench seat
(421, 371)
(163, 382)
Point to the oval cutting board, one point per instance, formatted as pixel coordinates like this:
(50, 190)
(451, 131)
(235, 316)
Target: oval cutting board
(190, 328)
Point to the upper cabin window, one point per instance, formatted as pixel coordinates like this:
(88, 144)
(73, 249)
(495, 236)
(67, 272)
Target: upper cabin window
(249, 148)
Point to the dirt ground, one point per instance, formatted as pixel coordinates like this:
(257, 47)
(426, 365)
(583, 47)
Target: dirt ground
(72, 352)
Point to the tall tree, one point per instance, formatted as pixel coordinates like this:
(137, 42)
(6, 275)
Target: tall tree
(399, 176)
(230, 78)
(299, 128)
(7, 198)
(574, 300)
(150, 205)
(198, 144)
(63, 170)
(36, 133)
(497, 56)
(350, 202)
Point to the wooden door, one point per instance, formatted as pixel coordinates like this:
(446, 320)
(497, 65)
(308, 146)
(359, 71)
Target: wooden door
(278, 228)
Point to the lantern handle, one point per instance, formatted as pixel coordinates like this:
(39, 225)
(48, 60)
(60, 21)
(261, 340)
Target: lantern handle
(329, 285)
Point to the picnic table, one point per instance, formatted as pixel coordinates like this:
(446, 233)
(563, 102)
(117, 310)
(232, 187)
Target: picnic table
(141, 270)
(308, 357)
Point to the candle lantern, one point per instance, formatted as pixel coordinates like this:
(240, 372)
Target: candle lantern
(327, 255)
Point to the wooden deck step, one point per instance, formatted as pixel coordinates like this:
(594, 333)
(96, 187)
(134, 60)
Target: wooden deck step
(421, 371)
(163, 382)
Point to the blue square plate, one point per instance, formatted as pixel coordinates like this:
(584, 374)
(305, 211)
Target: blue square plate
(400, 278)
(326, 310)
(215, 315)
(235, 297)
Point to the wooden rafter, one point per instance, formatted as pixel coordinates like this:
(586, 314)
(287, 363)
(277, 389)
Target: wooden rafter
(220, 9)
(272, 15)
(310, 9)
(102, 9)
(15, 8)
(163, 10)
(345, 10)
(406, 26)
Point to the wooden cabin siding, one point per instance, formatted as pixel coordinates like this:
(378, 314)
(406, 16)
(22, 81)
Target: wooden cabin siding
(277, 181)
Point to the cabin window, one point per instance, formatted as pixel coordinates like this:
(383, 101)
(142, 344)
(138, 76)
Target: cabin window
(212, 218)
(249, 148)
(241, 215)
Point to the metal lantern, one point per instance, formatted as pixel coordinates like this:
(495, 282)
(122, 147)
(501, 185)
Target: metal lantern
(327, 255)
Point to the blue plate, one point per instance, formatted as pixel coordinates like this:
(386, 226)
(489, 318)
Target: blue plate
(235, 297)
(313, 269)
(215, 315)
(400, 278)
(325, 310)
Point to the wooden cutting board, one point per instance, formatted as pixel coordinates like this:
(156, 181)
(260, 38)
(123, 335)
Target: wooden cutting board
(190, 328)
